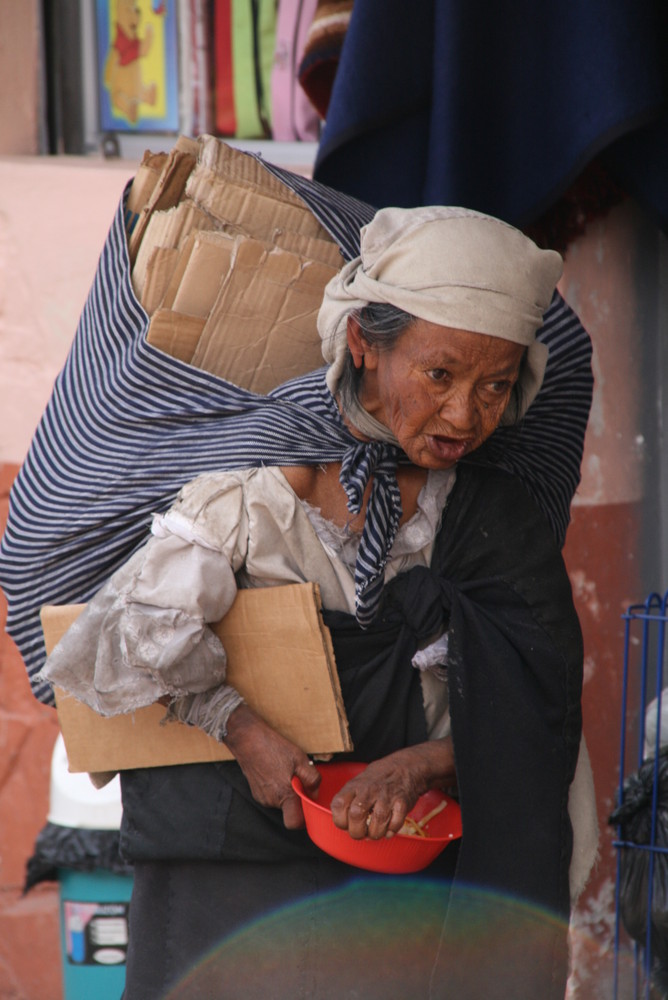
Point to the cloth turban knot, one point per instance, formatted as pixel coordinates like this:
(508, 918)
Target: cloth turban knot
(451, 266)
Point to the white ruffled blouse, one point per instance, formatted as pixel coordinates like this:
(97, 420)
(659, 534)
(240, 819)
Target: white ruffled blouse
(146, 633)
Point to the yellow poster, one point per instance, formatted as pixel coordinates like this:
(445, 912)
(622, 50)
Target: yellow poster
(138, 65)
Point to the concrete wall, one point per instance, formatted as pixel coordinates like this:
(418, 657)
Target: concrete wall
(614, 549)
(54, 215)
(30, 962)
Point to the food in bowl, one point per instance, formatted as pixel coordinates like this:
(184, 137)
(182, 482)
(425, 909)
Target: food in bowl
(418, 827)
(436, 816)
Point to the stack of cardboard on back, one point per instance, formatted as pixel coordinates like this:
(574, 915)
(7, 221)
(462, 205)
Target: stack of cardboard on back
(229, 264)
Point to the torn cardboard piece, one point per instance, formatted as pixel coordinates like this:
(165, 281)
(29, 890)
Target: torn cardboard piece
(205, 261)
(256, 212)
(204, 258)
(159, 270)
(280, 658)
(262, 329)
(167, 229)
(175, 333)
(168, 189)
(237, 167)
(142, 187)
(310, 247)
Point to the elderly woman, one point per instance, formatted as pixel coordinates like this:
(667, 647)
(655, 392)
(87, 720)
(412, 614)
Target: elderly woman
(455, 636)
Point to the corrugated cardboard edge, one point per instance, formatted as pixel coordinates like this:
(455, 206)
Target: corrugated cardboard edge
(252, 208)
(176, 334)
(167, 229)
(142, 186)
(140, 739)
(167, 192)
(237, 167)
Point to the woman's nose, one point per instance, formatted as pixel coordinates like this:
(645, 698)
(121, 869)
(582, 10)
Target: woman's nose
(459, 410)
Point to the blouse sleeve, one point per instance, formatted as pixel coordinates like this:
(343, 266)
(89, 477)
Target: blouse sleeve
(146, 634)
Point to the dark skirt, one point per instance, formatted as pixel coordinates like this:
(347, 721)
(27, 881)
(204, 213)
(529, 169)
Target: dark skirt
(314, 929)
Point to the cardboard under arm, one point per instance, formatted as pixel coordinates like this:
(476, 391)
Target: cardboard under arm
(280, 658)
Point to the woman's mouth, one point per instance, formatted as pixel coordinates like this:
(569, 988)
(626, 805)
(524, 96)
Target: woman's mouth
(448, 449)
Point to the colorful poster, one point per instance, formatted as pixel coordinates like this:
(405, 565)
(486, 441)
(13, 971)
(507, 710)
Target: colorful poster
(138, 65)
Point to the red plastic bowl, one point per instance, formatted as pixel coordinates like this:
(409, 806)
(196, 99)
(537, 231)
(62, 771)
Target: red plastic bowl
(392, 855)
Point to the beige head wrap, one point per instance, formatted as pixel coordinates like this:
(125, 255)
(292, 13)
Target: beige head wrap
(450, 266)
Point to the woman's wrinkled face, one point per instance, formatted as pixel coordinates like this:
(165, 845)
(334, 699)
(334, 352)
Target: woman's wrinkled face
(441, 391)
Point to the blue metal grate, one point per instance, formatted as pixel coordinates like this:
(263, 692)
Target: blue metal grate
(643, 684)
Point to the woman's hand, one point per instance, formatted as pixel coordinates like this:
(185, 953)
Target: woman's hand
(377, 801)
(269, 762)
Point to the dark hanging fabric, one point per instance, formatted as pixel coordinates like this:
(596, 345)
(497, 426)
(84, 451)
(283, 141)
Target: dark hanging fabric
(499, 106)
(320, 59)
(303, 930)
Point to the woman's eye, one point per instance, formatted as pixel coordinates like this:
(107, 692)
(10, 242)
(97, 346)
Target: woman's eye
(438, 374)
(499, 388)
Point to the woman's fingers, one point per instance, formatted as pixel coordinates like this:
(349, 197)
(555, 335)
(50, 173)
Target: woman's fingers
(291, 806)
(397, 817)
(368, 811)
(378, 821)
(309, 775)
(269, 762)
(358, 817)
(293, 814)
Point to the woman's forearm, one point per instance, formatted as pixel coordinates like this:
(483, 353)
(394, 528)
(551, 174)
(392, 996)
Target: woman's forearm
(269, 762)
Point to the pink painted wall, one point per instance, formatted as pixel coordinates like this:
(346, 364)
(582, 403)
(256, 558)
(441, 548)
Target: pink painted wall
(54, 216)
(21, 65)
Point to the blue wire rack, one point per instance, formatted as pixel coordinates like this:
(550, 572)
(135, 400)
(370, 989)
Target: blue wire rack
(643, 672)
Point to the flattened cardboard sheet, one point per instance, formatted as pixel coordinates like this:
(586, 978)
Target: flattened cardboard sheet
(262, 329)
(167, 229)
(280, 658)
(236, 166)
(175, 333)
(252, 209)
(310, 247)
(208, 260)
(143, 185)
(159, 270)
(168, 189)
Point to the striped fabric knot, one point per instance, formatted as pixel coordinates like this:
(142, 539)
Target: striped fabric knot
(376, 461)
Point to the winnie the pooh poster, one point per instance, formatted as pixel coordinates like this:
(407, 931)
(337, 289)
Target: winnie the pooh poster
(138, 65)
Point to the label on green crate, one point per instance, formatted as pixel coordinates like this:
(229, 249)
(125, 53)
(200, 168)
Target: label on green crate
(96, 933)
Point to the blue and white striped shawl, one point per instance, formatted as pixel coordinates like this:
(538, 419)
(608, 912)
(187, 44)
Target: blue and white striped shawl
(127, 426)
